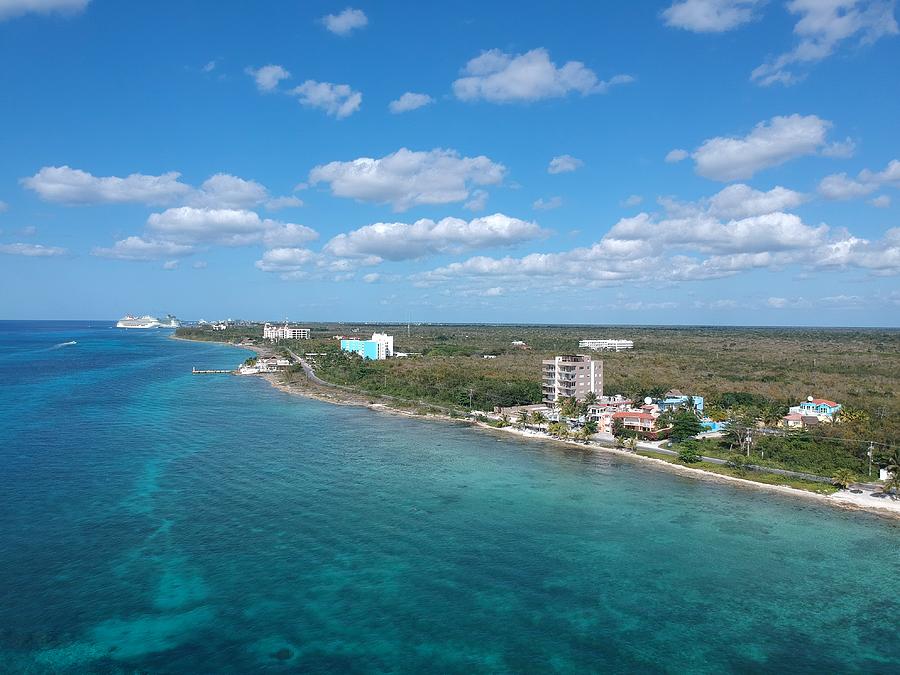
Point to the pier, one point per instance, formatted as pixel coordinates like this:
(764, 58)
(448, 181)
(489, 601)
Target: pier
(197, 371)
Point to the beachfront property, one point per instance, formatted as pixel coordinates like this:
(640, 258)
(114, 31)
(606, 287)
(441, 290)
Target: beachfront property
(637, 420)
(606, 345)
(285, 332)
(570, 376)
(821, 408)
(380, 347)
(220, 326)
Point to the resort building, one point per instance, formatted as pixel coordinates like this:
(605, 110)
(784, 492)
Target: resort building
(821, 408)
(570, 376)
(607, 345)
(285, 332)
(380, 347)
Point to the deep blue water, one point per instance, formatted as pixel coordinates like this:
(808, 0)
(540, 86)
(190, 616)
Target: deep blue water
(154, 520)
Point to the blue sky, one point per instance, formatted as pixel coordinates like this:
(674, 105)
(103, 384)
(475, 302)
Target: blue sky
(702, 161)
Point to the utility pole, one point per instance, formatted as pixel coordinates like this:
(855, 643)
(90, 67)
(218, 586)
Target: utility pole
(870, 453)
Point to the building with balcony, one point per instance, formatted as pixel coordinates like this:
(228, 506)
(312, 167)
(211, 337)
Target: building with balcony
(285, 332)
(570, 376)
(606, 345)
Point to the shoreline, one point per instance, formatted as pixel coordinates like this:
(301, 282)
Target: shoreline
(843, 499)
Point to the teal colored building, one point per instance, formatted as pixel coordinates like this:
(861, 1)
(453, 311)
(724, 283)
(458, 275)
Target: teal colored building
(368, 349)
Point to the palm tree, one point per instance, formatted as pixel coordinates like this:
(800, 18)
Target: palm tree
(843, 478)
(538, 417)
(523, 419)
(632, 443)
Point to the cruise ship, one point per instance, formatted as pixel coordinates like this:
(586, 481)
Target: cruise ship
(147, 321)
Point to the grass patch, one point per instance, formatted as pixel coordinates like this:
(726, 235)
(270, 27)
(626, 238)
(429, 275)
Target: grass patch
(755, 476)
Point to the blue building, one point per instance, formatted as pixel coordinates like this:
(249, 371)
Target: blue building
(675, 399)
(818, 407)
(368, 349)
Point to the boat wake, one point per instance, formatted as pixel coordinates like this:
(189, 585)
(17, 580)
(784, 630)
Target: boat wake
(64, 344)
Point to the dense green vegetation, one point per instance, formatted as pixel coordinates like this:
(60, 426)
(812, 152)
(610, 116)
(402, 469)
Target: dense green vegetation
(746, 374)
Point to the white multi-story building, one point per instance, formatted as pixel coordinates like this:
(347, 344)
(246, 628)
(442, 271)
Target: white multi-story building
(570, 376)
(285, 332)
(385, 344)
(607, 345)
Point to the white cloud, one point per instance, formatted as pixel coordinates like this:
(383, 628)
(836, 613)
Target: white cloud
(710, 16)
(140, 248)
(840, 149)
(371, 278)
(287, 234)
(199, 265)
(821, 27)
(502, 78)
(409, 101)
(170, 265)
(677, 155)
(840, 186)
(229, 227)
(564, 164)
(881, 201)
(283, 202)
(32, 250)
(73, 186)
(478, 202)
(769, 232)
(267, 77)
(209, 67)
(741, 201)
(337, 100)
(77, 187)
(285, 259)
(346, 22)
(769, 144)
(542, 204)
(229, 192)
(737, 230)
(14, 8)
(633, 200)
(404, 241)
(789, 303)
(407, 178)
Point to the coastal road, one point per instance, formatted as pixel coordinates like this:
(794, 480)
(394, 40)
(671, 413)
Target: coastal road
(310, 373)
(315, 379)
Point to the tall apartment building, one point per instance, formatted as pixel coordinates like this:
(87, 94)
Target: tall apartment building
(607, 345)
(285, 332)
(570, 375)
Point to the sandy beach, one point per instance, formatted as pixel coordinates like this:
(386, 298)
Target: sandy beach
(883, 506)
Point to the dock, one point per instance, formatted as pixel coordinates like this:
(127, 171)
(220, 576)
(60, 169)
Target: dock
(197, 371)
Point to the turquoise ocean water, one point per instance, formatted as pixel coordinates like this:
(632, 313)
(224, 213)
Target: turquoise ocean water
(151, 520)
